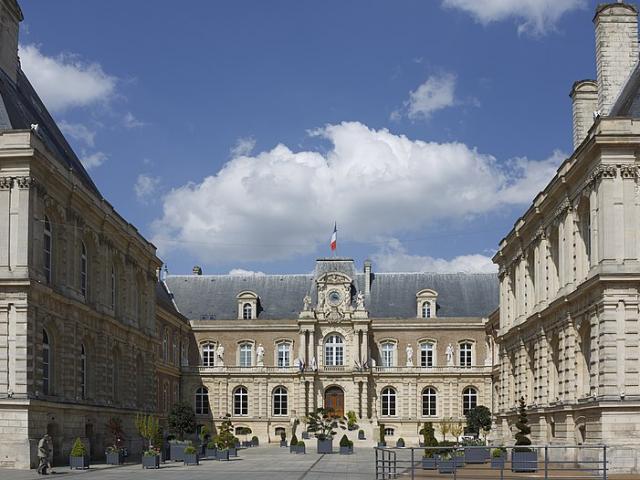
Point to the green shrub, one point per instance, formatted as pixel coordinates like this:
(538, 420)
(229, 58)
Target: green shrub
(150, 453)
(523, 427)
(294, 440)
(498, 452)
(190, 450)
(344, 441)
(301, 443)
(78, 450)
(429, 439)
(211, 445)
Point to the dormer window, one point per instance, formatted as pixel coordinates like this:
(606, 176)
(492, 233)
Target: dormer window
(426, 303)
(247, 305)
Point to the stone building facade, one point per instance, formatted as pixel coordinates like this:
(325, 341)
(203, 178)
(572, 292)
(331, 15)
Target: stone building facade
(568, 327)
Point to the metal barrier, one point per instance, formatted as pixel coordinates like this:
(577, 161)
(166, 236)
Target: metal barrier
(551, 462)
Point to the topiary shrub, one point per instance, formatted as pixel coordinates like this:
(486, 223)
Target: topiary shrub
(190, 450)
(78, 449)
(344, 441)
(523, 427)
(294, 440)
(429, 439)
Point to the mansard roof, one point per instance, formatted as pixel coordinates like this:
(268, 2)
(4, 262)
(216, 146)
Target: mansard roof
(21, 107)
(393, 295)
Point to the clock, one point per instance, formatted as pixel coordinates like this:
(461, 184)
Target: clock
(334, 297)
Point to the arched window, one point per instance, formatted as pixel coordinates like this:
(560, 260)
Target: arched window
(426, 310)
(246, 355)
(427, 354)
(83, 269)
(176, 351)
(429, 398)
(388, 354)
(113, 288)
(202, 401)
(184, 352)
(465, 354)
(240, 401)
(469, 399)
(46, 249)
(280, 406)
(208, 355)
(165, 345)
(165, 396)
(83, 372)
(46, 363)
(388, 402)
(334, 351)
(247, 311)
(284, 354)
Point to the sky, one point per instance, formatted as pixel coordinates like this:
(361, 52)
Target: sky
(233, 134)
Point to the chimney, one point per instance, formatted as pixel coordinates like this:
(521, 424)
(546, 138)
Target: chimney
(584, 95)
(10, 18)
(197, 270)
(616, 50)
(367, 277)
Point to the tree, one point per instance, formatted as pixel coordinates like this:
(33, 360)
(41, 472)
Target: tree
(149, 429)
(182, 419)
(479, 420)
(523, 427)
(429, 439)
(456, 430)
(323, 423)
(225, 439)
(445, 427)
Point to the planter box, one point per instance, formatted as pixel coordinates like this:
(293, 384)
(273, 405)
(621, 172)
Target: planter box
(191, 459)
(115, 458)
(150, 461)
(446, 466)
(476, 455)
(300, 449)
(429, 463)
(382, 444)
(325, 446)
(210, 452)
(524, 461)
(497, 462)
(346, 450)
(361, 436)
(177, 452)
(459, 460)
(305, 436)
(222, 454)
(283, 443)
(233, 452)
(78, 462)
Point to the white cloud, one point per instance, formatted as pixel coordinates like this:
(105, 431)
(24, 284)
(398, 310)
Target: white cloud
(64, 81)
(130, 121)
(535, 17)
(243, 146)
(146, 187)
(92, 160)
(240, 272)
(78, 132)
(279, 203)
(394, 258)
(436, 93)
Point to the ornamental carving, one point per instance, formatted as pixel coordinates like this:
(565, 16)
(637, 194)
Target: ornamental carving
(25, 182)
(6, 183)
(628, 171)
(605, 171)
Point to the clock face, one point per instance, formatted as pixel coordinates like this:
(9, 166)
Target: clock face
(334, 297)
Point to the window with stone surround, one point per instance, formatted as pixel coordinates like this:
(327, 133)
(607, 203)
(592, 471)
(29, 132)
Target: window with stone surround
(427, 354)
(283, 351)
(208, 354)
(465, 352)
(388, 400)
(240, 402)
(334, 351)
(165, 345)
(176, 348)
(83, 269)
(202, 401)
(429, 401)
(469, 399)
(388, 354)
(280, 401)
(247, 305)
(47, 249)
(46, 363)
(113, 288)
(245, 354)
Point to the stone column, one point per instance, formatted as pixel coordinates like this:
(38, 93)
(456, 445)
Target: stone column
(302, 347)
(365, 344)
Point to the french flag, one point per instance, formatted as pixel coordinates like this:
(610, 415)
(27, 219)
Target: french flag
(334, 237)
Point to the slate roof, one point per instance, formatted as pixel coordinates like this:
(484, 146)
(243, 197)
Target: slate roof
(393, 295)
(20, 107)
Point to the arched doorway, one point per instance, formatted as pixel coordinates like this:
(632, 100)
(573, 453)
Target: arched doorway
(334, 399)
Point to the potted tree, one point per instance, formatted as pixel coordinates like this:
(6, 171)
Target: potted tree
(346, 446)
(78, 457)
(225, 441)
(300, 447)
(479, 421)
(323, 424)
(293, 444)
(446, 463)
(148, 428)
(497, 457)
(210, 450)
(381, 441)
(203, 434)
(429, 441)
(115, 451)
(361, 434)
(191, 455)
(181, 420)
(523, 459)
(283, 439)
(400, 443)
(352, 420)
(445, 427)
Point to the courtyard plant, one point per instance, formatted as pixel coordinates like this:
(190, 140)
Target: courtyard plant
(323, 423)
(498, 456)
(293, 443)
(346, 445)
(210, 450)
(254, 441)
(149, 429)
(78, 458)
(115, 451)
(446, 462)
(283, 438)
(445, 427)
(191, 455)
(245, 432)
(429, 442)
(479, 420)
(301, 447)
(225, 441)
(204, 434)
(352, 420)
(523, 458)
(181, 420)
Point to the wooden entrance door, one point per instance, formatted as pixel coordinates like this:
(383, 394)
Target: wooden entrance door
(334, 399)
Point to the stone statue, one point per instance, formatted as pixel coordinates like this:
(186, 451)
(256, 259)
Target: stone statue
(449, 354)
(409, 351)
(360, 301)
(306, 303)
(220, 355)
(260, 355)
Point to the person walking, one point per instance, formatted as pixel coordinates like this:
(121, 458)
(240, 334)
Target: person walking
(45, 453)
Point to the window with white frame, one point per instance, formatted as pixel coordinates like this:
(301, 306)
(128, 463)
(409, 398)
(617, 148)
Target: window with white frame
(202, 401)
(280, 401)
(83, 269)
(388, 396)
(427, 354)
(46, 363)
(334, 351)
(466, 349)
(240, 402)
(429, 400)
(83, 372)
(247, 311)
(284, 354)
(246, 355)
(388, 350)
(426, 310)
(469, 399)
(46, 249)
(208, 355)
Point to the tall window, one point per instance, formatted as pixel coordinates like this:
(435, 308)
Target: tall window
(113, 287)
(388, 402)
(429, 398)
(83, 269)
(334, 351)
(47, 249)
(202, 401)
(426, 310)
(284, 354)
(46, 363)
(240, 401)
(246, 355)
(388, 353)
(115, 375)
(469, 399)
(280, 401)
(165, 396)
(184, 352)
(208, 355)
(176, 350)
(165, 345)
(427, 354)
(247, 311)
(465, 354)
(83, 372)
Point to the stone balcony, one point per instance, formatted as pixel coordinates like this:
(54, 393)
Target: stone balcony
(339, 369)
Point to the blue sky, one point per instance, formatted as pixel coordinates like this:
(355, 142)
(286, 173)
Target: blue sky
(234, 133)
